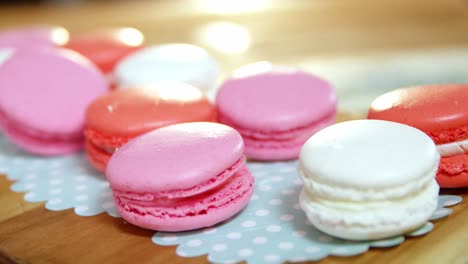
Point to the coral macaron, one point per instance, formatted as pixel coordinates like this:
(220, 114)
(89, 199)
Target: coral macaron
(441, 112)
(276, 110)
(44, 94)
(106, 47)
(121, 115)
(181, 177)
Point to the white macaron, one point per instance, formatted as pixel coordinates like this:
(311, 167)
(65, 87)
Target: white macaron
(369, 179)
(169, 62)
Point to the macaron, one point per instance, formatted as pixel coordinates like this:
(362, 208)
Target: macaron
(181, 177)
(121, 115)
(5, 54)
(441, 111)
(107, 46)
(276, 110)
(369, 179)
(43, 97)
(33, 36)
(174, 62)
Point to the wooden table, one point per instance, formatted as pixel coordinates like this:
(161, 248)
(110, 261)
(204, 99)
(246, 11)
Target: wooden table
(279, 31)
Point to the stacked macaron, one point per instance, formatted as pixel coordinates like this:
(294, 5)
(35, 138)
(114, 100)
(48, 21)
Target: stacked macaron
(181, 177)
(276, 109)
(369, 179)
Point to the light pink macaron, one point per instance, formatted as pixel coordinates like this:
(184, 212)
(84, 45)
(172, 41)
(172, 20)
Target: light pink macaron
(181, 177)
(44, 94)
(33, 36)
(276, 110)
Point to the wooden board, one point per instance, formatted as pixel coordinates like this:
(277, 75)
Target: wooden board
(286, 32)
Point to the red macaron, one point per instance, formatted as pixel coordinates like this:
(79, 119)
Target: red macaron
(441, 111)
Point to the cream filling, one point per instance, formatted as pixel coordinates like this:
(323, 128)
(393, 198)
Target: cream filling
(352, 193)
(454, 148)
(419, 204)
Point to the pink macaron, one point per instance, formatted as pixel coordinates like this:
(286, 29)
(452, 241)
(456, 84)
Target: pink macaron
(44, 94)
(276, 110)
(181, 177)
(33, 36)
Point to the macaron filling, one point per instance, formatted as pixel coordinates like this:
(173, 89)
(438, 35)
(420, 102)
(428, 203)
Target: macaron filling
(408, 212)
(323, 188)
(225, 188)
(289, 139)
(454, 148)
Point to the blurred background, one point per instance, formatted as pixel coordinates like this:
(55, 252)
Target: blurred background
(364, 47)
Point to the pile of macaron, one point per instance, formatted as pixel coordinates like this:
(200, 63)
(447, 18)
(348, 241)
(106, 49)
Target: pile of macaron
(176, 159)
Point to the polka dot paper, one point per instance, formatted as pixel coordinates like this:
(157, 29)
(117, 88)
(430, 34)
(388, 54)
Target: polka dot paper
(271, 229)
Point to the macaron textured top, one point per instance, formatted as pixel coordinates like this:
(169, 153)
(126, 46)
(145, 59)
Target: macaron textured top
(44, 94)
(438, 110)
(182, 155)
(441, 112)
(373, 155)
(130, 112)
(121, 115)
(175, 62)
(276, 111)
(106, 47)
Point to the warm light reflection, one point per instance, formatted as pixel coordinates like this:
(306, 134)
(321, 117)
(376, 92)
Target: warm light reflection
(386, 101)
(130, 37)
(232, 6)
(5, 54)
(184, 52)
(60, 36)
(226, 37)
(253, 69)
(262, 67)
(174, 91)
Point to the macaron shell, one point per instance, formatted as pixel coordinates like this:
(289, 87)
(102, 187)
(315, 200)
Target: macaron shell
(177, 62)
(33, 36)
(5, 54)
(106, 47)
(278, 100)
(32, 145)
(453, 171)
(183, 217)
(182, 156)
(433, 108)
(131, 112)
(49, 89)
(97, 157)
(370, 154)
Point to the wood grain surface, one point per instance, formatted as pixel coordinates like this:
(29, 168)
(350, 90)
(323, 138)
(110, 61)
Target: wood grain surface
(279, 31)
